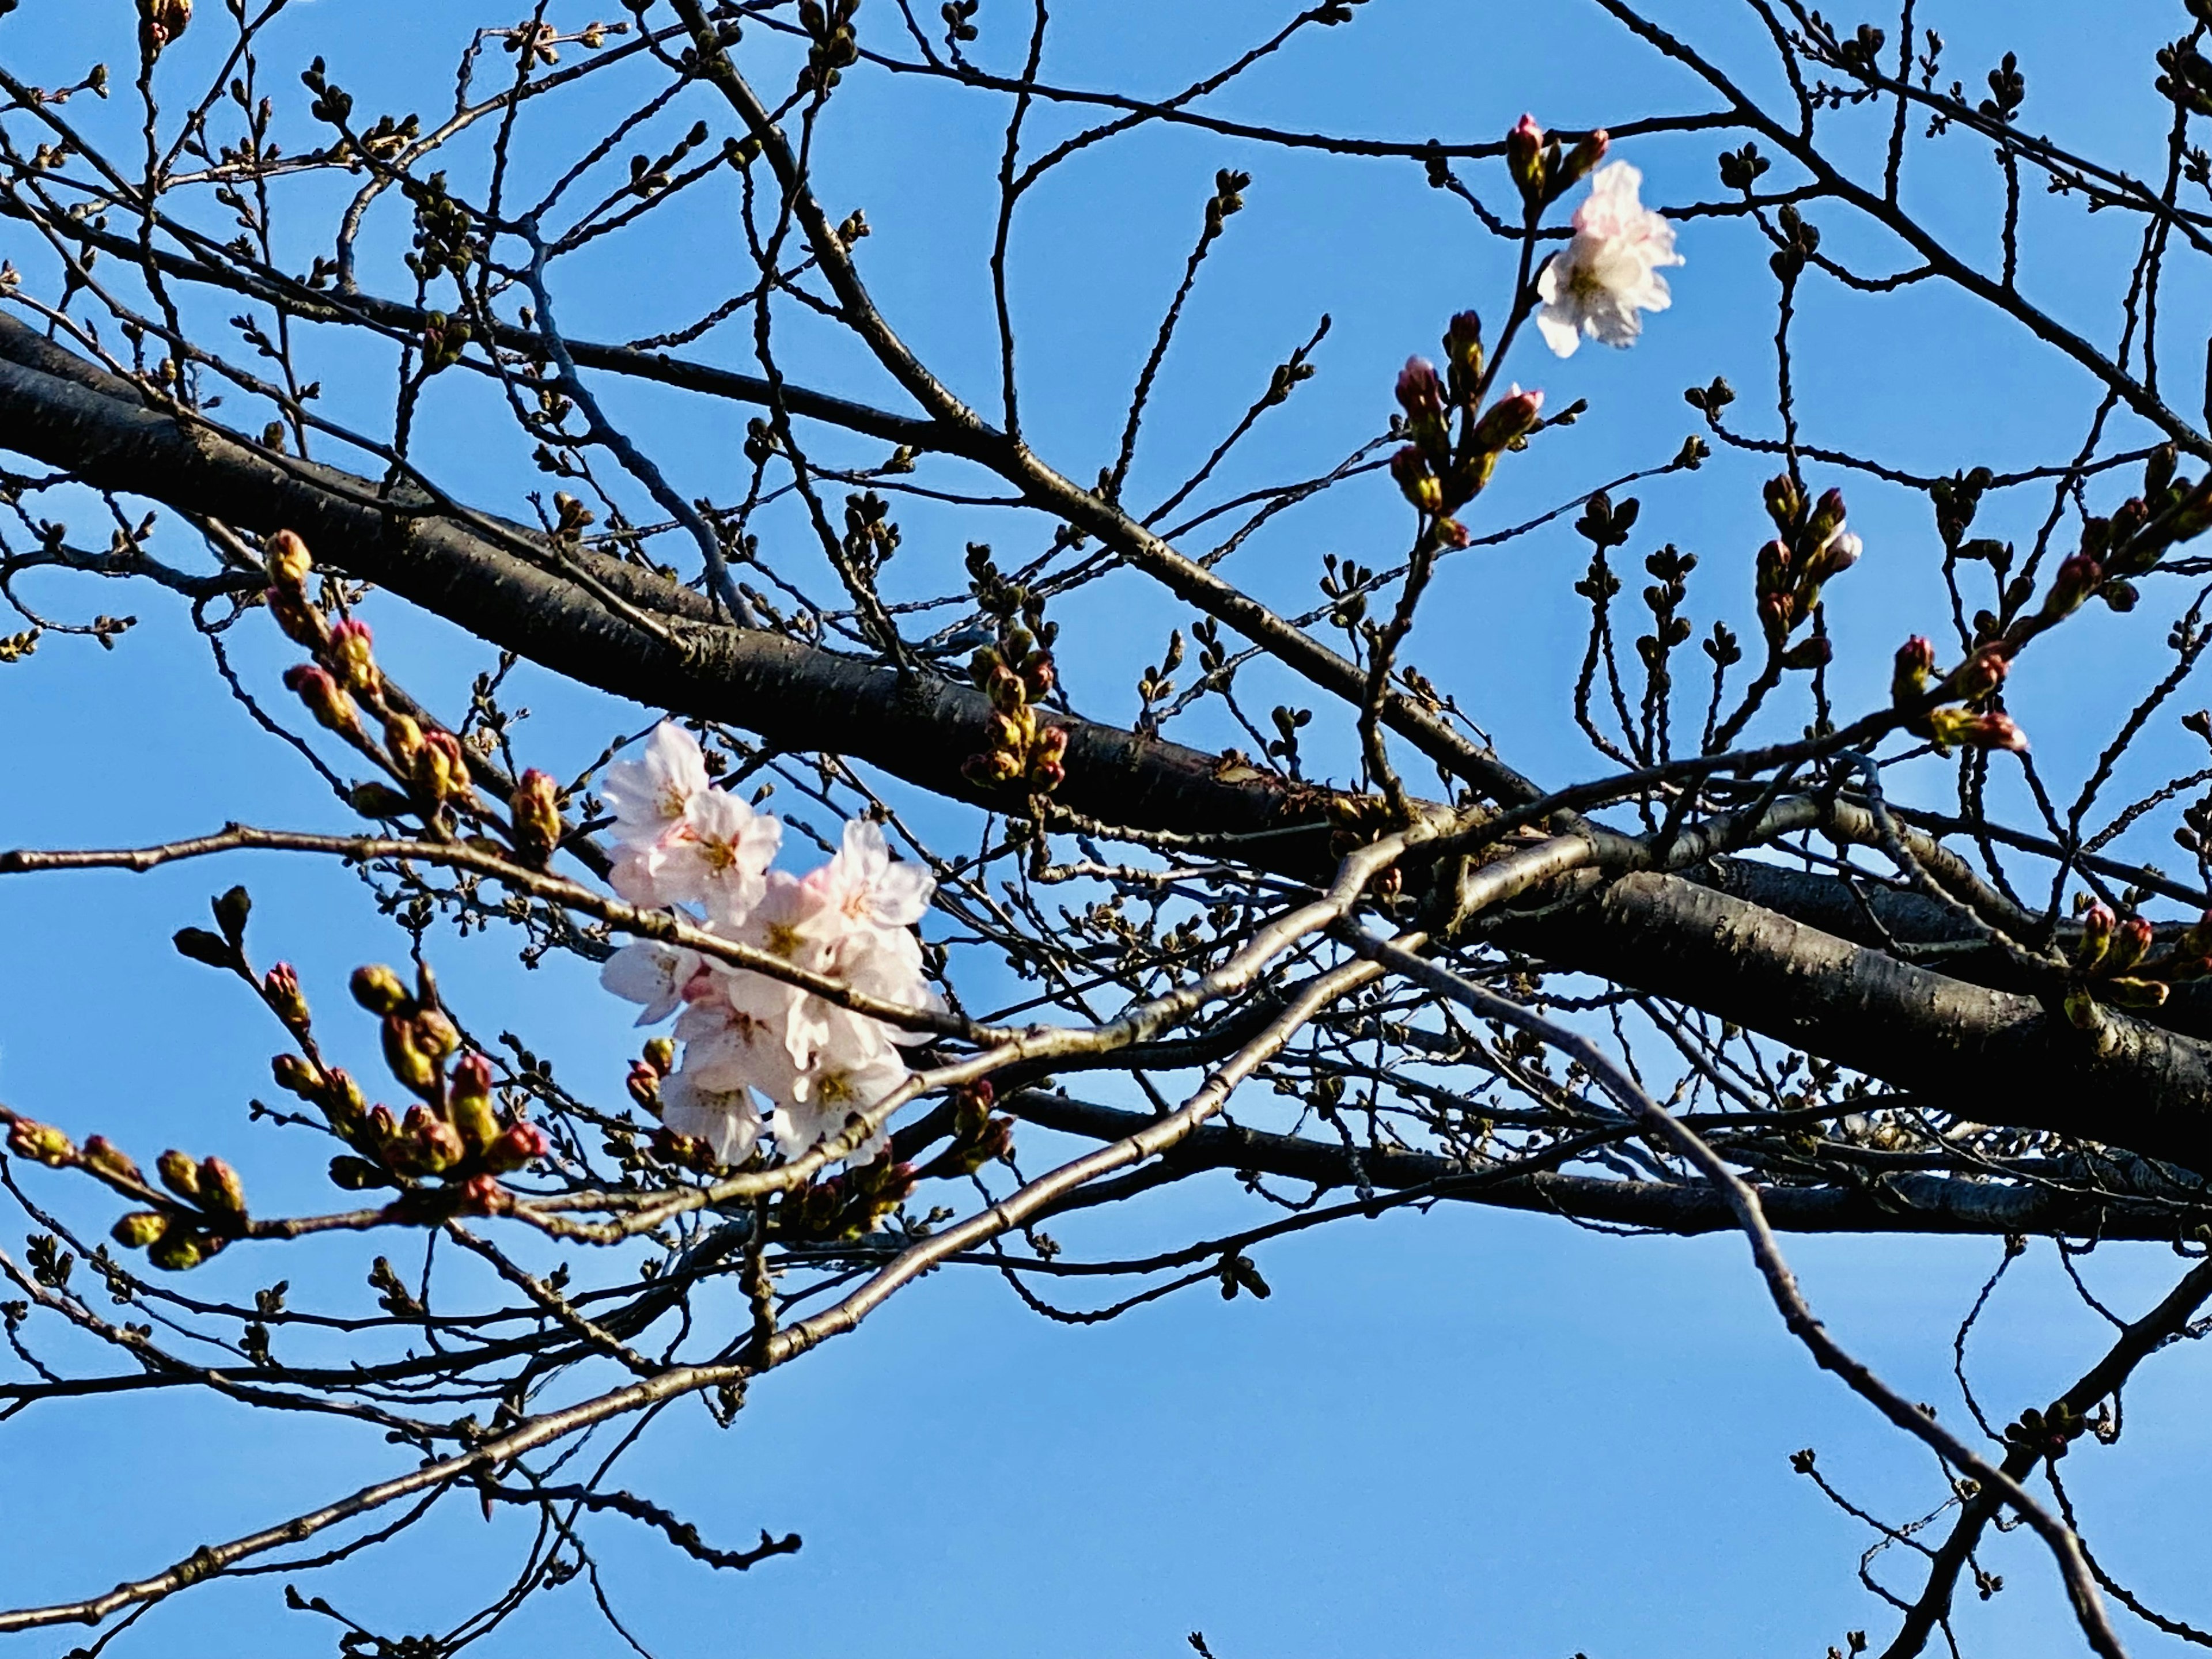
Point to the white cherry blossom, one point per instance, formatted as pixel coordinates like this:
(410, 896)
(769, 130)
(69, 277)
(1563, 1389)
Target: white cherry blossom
(651, 796)
(720, 856)
(727, 1119)
(1608, 272)
(867, 888)
(650, 972)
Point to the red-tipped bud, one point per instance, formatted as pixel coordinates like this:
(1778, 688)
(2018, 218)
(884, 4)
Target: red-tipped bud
(1580, 160)
(1524, 156)
(520, 1145)
(1956, 728)
(221, 1190)
(644, 1085)
(42, 1142)
(281, 986)
(1915, 665)
(105, 1156)
(1420, 394)
(435, 1144)
(352, 654)
(2130, 944)
(326, 699)
(2077, 578)
(1511, 418)
(536, 809)
(1981, 673)
(481, 1194)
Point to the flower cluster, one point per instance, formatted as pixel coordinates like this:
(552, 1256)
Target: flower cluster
(682, 842)
(1609, 270)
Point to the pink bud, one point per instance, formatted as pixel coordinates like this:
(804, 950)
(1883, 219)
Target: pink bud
(1420, 394)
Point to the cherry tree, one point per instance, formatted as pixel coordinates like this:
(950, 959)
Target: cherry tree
(937, 932)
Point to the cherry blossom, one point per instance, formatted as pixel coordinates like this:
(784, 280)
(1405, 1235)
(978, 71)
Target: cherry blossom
(651, 796)
(651, 973)
(1609, 271)
(727, 1119)
(753, 1042)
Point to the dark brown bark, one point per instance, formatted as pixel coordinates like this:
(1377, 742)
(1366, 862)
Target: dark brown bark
(1991, 1054)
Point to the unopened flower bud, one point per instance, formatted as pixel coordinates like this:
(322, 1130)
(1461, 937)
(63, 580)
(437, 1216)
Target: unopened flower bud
(1463, 346)
(481, 1194)
(1419, 486)
(520, 1145)
(109, 1160)
(402, 741)
(644, 1085)
(1916, 664)
(221, 1190)
(182, 1248)
(1524, 156)
(536, 807)
(296, 614)
(1577, 163)
(1956, 728)
(42, 1142)
(281, 986)
(1839, 553)
(1512, 416)
(179, 1174)
(160, 21)
(139, 1229)
(1981, 673)
(409, 1059)
(1421, 395)
(2130, 944)
(288, 562)
(326, 699)
(435, 1143)
(1785, 503)
(379, 990)
(442, 770)
(1827, 517)
(343, 1099)
(2078, 577)
(351, 653)
(660, 1055)
(378, 801)
(435, 1033)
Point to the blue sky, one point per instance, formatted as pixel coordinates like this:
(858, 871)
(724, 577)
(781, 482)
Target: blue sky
(1461, 1433)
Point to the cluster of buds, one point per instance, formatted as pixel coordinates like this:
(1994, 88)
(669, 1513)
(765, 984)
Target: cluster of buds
(1543, 170)
(829, 26)
(1810, 548)
(2047, 1434)
(207, 1209)
(2128, 544)
(1935, 708)
(978, 1137)
(2112, 964)
(1438, 472)
(159, 22)
(341, 679)
(2186, 77)
(452, 1133)
(1024, 748)
(848, 1206)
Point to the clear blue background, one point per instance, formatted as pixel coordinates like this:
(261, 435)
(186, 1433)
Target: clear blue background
(1462, 1433)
